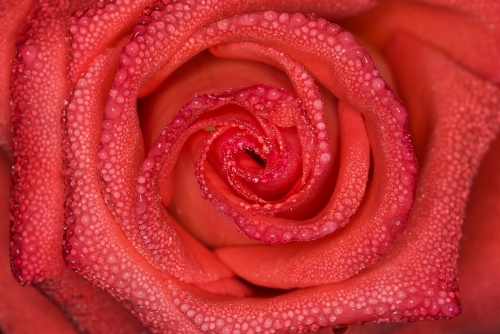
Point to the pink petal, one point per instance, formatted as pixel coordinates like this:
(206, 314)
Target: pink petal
(467, 31)
(460, 106)
(14, 12)
(39, 93)
(22, 309)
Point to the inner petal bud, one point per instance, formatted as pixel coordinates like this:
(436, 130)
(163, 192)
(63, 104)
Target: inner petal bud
(293, 162)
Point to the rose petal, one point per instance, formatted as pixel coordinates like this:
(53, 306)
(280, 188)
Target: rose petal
(22, 309)
(467, 31)
(39, 91)
(14, 12)
(477, 265)
(99, 26)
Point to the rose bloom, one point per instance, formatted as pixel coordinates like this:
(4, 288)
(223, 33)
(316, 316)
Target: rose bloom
(250, 166)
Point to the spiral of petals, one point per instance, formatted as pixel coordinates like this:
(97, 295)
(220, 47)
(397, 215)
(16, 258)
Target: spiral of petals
(323, 192)
(254, 136)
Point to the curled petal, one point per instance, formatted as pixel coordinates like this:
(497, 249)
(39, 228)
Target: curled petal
(39, 91)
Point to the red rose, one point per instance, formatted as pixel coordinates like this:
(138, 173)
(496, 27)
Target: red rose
(227, 117)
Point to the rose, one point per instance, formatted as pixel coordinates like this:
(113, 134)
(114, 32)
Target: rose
(27, 54)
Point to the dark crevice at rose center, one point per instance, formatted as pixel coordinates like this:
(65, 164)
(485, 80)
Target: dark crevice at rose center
(256, 158)
(258, 291)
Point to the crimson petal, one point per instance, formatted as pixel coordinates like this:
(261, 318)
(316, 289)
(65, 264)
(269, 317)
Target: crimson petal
(39, 82)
